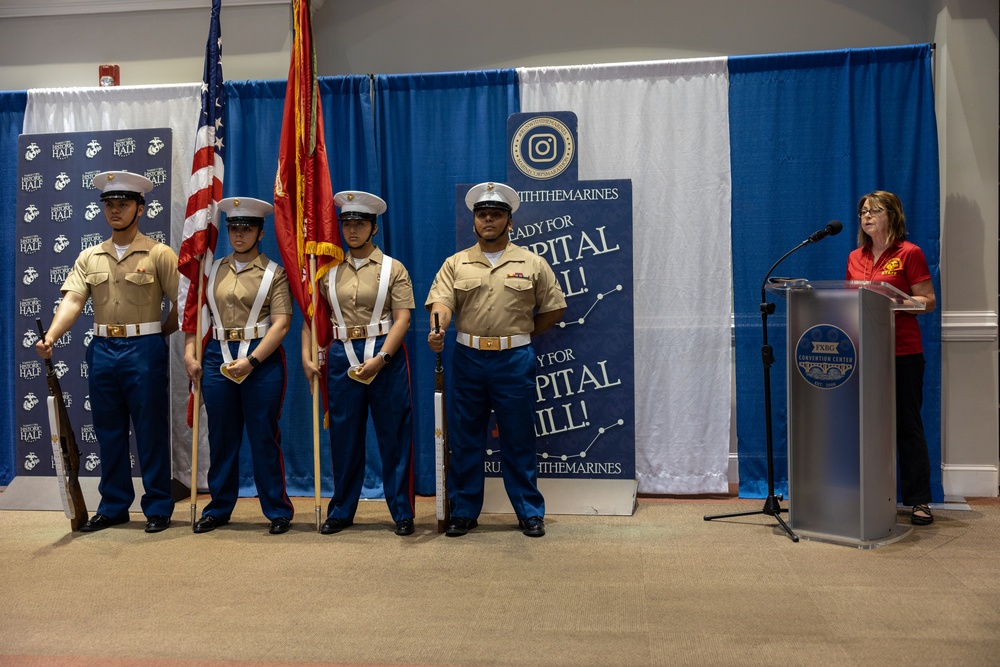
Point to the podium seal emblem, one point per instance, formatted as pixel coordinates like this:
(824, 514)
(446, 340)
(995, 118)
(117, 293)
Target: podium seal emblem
(826, 356)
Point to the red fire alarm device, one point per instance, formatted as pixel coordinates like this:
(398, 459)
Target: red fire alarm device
(108, 75)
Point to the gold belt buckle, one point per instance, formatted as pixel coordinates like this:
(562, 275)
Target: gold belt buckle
(489, 343)
(234, 334)
(357, 332)
(116, 330)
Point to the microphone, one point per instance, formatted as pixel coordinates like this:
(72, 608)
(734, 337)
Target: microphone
(832, 229)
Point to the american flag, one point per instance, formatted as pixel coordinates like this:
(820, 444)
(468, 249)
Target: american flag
(201, 225)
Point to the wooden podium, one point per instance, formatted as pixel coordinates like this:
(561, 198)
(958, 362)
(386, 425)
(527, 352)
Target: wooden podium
(842, 410)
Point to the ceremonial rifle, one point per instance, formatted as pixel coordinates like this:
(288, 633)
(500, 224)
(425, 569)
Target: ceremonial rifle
(441, 449)
(64, 449)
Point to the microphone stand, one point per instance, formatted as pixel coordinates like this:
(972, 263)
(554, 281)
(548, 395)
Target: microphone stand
(772, 506)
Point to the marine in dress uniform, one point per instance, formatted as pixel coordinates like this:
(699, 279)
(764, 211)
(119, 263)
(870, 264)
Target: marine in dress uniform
(243, 377)
(501, 296)
(371, 296)
(126, 278)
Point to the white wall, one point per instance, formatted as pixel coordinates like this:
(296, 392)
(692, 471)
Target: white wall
(966, 105)
(399, 36)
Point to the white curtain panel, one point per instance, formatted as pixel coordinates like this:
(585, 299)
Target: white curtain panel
(665, 126)
(133, 107)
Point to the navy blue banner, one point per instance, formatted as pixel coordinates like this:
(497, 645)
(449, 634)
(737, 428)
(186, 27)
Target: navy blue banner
(585, 411)
(58, 215)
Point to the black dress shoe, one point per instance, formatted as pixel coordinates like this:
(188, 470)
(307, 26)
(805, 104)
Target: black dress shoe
(924, 518)
(404, 527)
(100, 522)
(279, 525)
(331, 526)
(532, 526)
(157, 522)
(208, 523)
(459, 526)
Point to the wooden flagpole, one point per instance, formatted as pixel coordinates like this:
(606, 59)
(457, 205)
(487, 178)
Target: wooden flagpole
(196, 411)
(314, 354)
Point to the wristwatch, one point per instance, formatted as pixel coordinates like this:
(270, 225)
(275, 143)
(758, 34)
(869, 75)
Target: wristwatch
(254, 361)
(386, 357)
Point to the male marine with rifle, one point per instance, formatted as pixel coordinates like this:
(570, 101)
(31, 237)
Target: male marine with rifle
(126, 277)
(502, 296)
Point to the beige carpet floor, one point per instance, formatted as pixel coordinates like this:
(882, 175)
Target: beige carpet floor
(663, 587)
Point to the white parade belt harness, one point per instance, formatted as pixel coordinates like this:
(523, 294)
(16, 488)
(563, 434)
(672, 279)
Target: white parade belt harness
(376, 327)
(127, 330)
(493, 342)
(245, 334)
(343, 333)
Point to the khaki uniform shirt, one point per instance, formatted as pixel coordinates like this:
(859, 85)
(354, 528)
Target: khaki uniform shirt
(235, 292)
(357, 288)
(128, 290)
(496, 300)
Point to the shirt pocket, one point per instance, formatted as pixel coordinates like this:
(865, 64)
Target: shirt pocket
(519, 293)
(141, 288)
(100, 288)
(466, 288)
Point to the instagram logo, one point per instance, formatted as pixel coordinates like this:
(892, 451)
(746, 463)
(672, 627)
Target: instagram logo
(542, 147)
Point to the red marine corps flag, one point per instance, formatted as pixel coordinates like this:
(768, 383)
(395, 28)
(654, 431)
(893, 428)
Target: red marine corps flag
(304, 218)
(305, 223)
(201, 224)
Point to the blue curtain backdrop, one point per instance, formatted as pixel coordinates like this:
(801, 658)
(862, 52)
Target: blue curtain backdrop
(435, 131)
(253, 113)
(810, 133)
(11, 123)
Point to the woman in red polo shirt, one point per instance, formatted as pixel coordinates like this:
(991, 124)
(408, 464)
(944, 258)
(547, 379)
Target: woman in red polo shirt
(886, 256)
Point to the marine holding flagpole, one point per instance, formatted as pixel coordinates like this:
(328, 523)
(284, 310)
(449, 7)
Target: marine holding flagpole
(305, 221)
(370, 298)
(243, 376)
(501, 296)
(126, 278)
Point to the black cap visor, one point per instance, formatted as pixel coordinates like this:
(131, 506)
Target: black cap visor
(244, 221)
(498, 205)
(358, 215)
(123, 194)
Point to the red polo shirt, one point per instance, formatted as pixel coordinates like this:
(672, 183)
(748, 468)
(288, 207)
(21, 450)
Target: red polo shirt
(902, 265)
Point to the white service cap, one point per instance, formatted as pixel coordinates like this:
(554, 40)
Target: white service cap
(492, 195)
(122, 185)
(245, 210)
(358, 204)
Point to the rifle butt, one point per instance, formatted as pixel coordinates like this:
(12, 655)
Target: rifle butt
(441, 461)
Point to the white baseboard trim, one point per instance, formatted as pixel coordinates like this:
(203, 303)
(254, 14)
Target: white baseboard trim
(961, 481)
(968, 326)
(976, 481)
